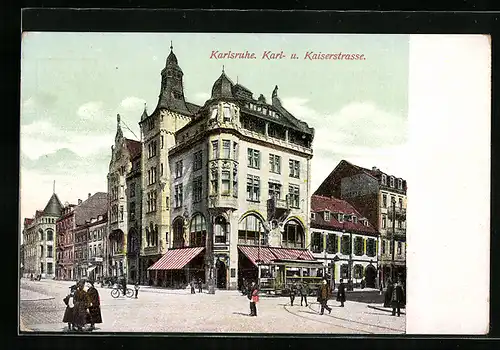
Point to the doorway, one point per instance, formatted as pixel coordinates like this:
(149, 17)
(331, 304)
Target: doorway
(370, 276)
(221, 274)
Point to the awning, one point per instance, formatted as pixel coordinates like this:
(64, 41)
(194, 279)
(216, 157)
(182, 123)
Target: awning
(90, 269)
(292, 254)
(176, 259)
(252, 253)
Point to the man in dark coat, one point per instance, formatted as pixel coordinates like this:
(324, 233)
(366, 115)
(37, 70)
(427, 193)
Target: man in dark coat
(81, 300)
(323, 296)
(293, 292)
(397, 298)
(304, 290)
(94, 306)
(200, 286)
(388, 293)
(192, 284)
(341, 293)
(124, 285)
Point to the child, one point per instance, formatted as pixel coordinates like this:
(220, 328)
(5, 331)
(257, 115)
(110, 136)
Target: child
(68, 313)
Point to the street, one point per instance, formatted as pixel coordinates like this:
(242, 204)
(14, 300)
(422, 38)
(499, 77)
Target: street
(163, 310)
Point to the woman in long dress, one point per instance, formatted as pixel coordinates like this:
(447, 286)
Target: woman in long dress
(95, 306)
(68, 313)
(80, 314)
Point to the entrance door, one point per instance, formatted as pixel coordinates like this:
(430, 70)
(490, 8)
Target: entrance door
(221, 274)
(370, 276)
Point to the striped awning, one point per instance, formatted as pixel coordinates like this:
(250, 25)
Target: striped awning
(292, 254)
(255, 253)
(176, 259)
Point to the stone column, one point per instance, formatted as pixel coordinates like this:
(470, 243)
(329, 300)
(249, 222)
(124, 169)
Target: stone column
(233, 251)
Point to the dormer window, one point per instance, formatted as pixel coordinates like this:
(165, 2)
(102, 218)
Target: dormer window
(384, 179)
(391, 179)
(313, 216)
(227, 114)
(400, 184)
(327, 216)
(354, 219)
(341, 217)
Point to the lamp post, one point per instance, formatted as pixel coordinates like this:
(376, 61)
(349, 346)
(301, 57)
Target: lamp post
(393, 248)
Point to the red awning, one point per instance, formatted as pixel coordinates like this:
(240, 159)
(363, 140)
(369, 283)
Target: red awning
(292, 254)
(252, 253)
(267, 254)
(176, 259)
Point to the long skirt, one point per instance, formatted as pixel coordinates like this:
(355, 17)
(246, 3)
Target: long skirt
(68, 315)
(80, 314)
(95, 314)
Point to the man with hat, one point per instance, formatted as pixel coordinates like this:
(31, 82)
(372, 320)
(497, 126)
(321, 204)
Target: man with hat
(94, 306)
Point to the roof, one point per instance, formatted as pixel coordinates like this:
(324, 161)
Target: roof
(133, 147)
(223, 87)
(54, 206)
(28, 221)
(321, 204)
(38, 213)
(95, 205)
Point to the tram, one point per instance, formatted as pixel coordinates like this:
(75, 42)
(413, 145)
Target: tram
(278, 276)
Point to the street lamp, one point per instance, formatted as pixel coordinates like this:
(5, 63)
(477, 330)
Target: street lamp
(393, 248)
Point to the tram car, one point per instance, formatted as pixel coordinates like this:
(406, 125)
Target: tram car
(278, 276)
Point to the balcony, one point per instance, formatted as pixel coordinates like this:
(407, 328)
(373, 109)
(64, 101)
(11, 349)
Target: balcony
(216, 201)
(400, 213)
(277, 207)
(397, 231)
(151, 250)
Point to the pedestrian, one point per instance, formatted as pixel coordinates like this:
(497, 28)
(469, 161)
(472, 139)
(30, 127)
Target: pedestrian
(192, 286)
(253, 296)
(397, 298)
(323, 296)
(304, 290)
(388, 293)
(81, 302)
(293, 291)
(341, 293)
(68, 313)
(31, 277)
(94, 305)
(124, 285)
(200, 286)
(136, 287)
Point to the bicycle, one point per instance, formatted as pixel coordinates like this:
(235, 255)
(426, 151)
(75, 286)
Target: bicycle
(117, 291)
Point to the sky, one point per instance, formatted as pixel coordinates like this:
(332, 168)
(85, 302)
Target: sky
(74, 84)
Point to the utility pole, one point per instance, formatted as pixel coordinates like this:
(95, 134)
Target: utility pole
(393, 248)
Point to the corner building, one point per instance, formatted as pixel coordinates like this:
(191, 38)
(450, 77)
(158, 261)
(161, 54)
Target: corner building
(237, 187)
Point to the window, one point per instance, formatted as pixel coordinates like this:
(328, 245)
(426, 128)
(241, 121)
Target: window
(400, 224)
(152, 147)
(151, 201)
(178, 237)
(221, 230)
(274, 190)
(121, 212)
(345, 245)
(358, 271)
(178, 169)
(235, 180)
(50, 250)
(332, 244)
(358, 246)
(198, 232)
(225, 183)
(344, 270)
(41, 234)
(293, 235)
(384, 222)
(49, 268)
(162, 141)
(340, 217)
(384, 179)
(235, 151)
(198, 158)
(313, 216)
(275, 163)
(371, 247)
(354, 219)
(197, 188)
(317, 242)
(253, 188)
(132, 211)
(293, 196)
(400, 184)
(384, 200)
(400, 203)
(391, 179)
(132, 190)
(215, 149)
(226, 149)
(400, 248)
(294, 168)
(249, 231)
(161, 169)
(178, 197)
(253, 158)
(50, 235)
(227, 114)
(215, 182)
(327, 216)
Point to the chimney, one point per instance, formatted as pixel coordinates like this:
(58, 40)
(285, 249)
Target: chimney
(374, 168)
(89, 195)
(79, 201)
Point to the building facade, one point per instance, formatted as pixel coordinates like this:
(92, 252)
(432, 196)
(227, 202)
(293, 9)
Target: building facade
(40, 240)
(65, 243)
(80, 261)
(344, 241)
(120, 165)
(381, 198)
(97, 233)
(134, 205)
(237, 181)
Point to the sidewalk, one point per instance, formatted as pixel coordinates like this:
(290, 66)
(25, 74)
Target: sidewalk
(386, 309)
(28, 295)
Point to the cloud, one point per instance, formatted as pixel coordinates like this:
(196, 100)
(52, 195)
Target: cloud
(91, 111)
(133, 103)
(200, 97)
(360, 132)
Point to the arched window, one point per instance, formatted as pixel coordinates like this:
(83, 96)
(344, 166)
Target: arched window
(249, 231)
(293, 235)
(178, 231)
(198, 231)
(133, 242)
(50, 235)
(41, 234)
(148, 237)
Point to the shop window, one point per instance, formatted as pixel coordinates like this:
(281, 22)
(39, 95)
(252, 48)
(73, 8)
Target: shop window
(293, 235)
(249, 231)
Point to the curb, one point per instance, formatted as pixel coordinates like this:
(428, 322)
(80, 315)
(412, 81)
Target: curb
(382, 309)
(40, 299)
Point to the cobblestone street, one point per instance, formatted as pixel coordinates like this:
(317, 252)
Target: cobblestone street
(162, 310)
